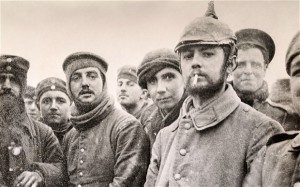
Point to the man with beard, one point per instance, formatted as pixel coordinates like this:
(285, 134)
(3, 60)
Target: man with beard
(278, 163)
(54, 103)
(30, 103)
(30, 154)
(216, 136)
(131, 96)
(160, 73)
(108, 146)
(255, 52)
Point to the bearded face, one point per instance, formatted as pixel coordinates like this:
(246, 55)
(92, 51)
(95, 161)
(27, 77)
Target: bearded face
(11, 108)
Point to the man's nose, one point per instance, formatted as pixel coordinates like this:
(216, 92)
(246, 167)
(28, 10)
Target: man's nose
(7, 84)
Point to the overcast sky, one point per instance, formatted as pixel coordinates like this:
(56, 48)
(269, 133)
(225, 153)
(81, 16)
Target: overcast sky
(122, 32)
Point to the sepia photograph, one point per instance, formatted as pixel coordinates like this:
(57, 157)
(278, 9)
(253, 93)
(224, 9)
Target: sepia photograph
(149, 93)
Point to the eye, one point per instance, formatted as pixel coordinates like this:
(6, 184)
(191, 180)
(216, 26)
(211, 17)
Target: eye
(187, 55)
(152, 81)
(241, 65)
(207, 54)
(168, 76)
(256, 65)
(75, 77)
(46, 101)
(131, 84)
(93, 75)
(120, 84)
(61, 100)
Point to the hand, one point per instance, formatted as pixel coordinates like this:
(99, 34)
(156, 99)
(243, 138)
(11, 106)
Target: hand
(28, 179)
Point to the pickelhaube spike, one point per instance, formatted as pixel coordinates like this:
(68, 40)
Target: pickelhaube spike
(210, 12)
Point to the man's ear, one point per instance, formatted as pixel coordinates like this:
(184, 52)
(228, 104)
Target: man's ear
(144, 94)
(231, 66)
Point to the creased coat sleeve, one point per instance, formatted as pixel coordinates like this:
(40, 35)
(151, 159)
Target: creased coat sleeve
(254, 177)
(261, 135)
(132, 155)
(153, 169)
(52, 160)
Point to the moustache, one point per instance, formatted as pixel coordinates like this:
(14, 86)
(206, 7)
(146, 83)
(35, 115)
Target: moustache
(86, 92)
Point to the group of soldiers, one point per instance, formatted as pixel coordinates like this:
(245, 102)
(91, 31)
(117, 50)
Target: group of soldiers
(182, 121)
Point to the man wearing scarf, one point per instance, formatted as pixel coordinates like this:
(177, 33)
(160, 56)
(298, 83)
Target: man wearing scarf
(107, 146)
(55, 104)
(255, 52)
(278, 163)
(30, 154)
(159, 73)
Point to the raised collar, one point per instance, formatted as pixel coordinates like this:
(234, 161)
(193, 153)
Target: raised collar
(296, 144)
(26, 123)
(213, 113)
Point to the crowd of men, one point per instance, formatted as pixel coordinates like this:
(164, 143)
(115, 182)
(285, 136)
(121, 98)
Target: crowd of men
(182, 121)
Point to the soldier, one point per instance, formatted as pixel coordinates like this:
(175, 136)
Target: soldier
(216, 136)
(30, 154)
(108, 146)
(54, 103)
(30, 103)
(278, 163)
(255, 52)
(160, 73)
(131, 96)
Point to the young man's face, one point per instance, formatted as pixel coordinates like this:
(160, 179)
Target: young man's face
(31, 108)
(55, 107)
(129, 93)
(166, 88)
(203, 69)
(250, 72)
(295, 84)
(9, 84)
(86, 85)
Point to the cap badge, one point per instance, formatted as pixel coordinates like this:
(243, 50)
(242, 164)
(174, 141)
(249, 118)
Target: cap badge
(52, 81)
(9, 60)
(52, 87)
(8, 68)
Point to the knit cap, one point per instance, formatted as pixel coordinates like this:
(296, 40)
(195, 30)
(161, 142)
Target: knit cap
(154, 62)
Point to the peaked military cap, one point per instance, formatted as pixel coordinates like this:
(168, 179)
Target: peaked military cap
(128, 72)
(16, 65)
(256, 37)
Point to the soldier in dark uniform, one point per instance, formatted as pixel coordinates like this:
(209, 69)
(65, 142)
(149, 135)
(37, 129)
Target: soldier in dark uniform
(30, 103)
(30, 154)
(278, 163)
(160, 73)
(55, 104)
(256, 50)
(131, 96)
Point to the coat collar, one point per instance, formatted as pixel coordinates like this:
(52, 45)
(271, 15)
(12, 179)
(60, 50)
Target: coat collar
(213, 113)
(296, 144)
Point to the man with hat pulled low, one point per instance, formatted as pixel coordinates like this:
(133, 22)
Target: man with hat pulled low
(30, 103)
(255, 52)
(159, 73)
(216, 136)
(278, 163)
(107, 146)
(55, 104)
(131, 96)
(30, 154)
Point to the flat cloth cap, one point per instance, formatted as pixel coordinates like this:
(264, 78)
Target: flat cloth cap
(293, 52)
(128, 72)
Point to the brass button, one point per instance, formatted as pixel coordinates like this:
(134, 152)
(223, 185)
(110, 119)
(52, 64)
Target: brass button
(182, 152)
(177, 176)
(82, 150)
(187, 126)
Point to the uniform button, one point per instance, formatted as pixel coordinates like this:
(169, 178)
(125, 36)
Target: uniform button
(10, 169)
(78, 185)
(187, 126)
(81, 161)
(82, 150)
(177, 176)
(80, 174)
(182, 152)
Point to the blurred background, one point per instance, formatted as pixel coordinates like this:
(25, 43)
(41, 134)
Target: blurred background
(122, 32)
